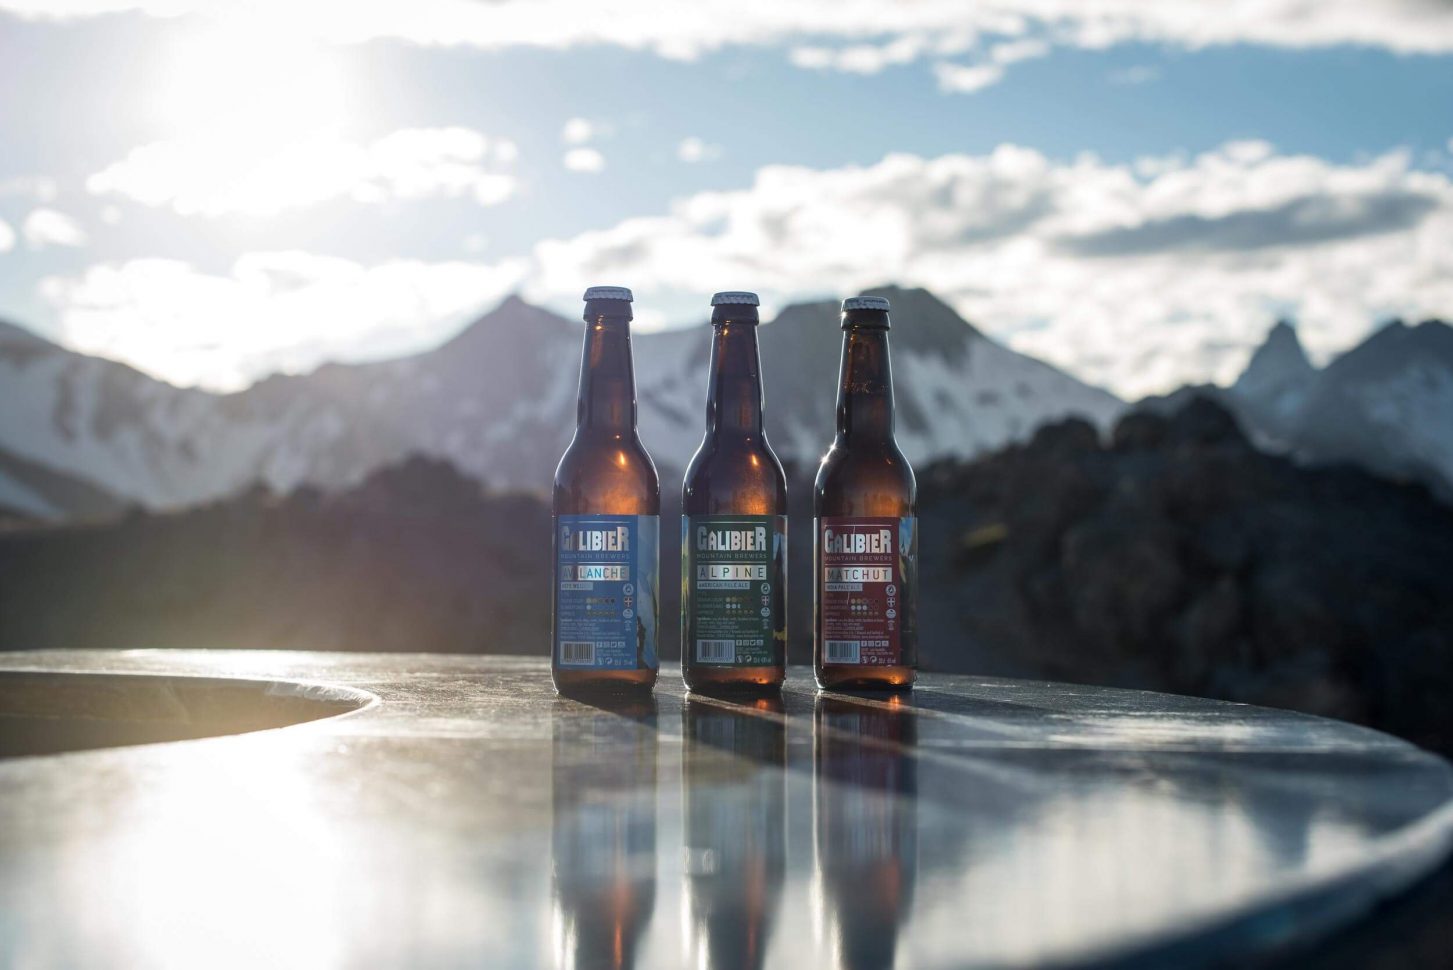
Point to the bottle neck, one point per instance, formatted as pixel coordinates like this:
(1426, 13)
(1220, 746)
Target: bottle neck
(607, 399)
(734, 395)
(865, 392)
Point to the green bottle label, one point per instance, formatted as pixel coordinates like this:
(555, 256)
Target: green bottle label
(733, 589)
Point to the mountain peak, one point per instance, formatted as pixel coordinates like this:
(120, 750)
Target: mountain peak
(1394, 347)
(1279, 365)
(921, 321)
(511, 324)
(924, 316)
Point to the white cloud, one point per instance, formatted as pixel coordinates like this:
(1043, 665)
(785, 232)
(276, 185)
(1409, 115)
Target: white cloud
(213, 174)
(865, 58)
(577, 131)
(48, 227)
(584, 160)
(1137, 276)
(7, 237)
(693, 149)
(966, 79)
(275, 311)
(688, 29)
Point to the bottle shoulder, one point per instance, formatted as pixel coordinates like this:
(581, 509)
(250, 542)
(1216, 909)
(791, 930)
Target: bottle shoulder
(876, 481)
(726, 476)
(607, 473)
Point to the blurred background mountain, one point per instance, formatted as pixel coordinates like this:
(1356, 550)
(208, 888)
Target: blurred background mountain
(1283, 540)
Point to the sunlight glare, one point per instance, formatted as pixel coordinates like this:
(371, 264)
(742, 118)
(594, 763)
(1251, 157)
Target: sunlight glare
(252, 122)
(244, 81)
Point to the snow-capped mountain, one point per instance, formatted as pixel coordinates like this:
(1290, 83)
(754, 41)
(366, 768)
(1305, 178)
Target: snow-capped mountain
(498, 401)
(1386, 404)
(1276, 380)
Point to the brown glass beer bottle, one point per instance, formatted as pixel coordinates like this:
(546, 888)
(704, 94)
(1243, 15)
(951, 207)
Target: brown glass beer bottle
(865, 530)
(606, 599)
(734, 523)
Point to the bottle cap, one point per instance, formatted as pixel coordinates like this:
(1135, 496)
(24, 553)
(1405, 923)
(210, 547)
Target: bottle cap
(866, 303)
(608, 293)
(735, 298)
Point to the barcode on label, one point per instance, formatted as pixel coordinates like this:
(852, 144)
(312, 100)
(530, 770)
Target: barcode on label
(577, 652)
(843, 652)
(719, 651)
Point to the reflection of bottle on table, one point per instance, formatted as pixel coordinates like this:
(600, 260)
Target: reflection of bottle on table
(735, 829)
(864, 812)
(603, 840)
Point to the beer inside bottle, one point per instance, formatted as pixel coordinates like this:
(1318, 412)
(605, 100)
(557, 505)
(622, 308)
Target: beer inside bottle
(734, 523)
(606, 600)
(865, 530)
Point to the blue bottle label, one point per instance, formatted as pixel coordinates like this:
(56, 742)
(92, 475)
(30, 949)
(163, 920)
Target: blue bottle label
(607, 597)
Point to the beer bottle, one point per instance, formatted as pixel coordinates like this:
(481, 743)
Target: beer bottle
(607, 520)
(734, 522)
(865, 533)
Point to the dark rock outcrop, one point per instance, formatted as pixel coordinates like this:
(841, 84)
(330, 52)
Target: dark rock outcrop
(1180, 558)
(417, 557)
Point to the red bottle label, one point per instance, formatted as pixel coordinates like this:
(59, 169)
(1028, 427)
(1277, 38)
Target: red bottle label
(864, 568)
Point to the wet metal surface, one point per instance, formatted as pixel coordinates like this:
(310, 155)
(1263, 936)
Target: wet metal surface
(469, 817)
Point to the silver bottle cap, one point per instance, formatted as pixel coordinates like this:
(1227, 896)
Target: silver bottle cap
(866, 303)
(608, 293)
(735, 298)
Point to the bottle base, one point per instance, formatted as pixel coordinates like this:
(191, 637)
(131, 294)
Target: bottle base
(855, 678)
(734, 680)
(590, 682)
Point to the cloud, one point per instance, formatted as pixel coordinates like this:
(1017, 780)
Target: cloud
(213, 174)
(854, 35)
(577, 131)
(693, 149)
(1138, 276)
(966, 79)
(7, 237)
(274, 311)
(584, 160)
(47, 227)
(1308, 219)
(862, 58)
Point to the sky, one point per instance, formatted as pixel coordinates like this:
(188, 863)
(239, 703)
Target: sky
(1133, 190)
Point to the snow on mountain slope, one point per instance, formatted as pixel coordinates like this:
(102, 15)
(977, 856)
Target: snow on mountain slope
(499, 402)
(1417, 405)
(108, 423)
(1386, 404)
